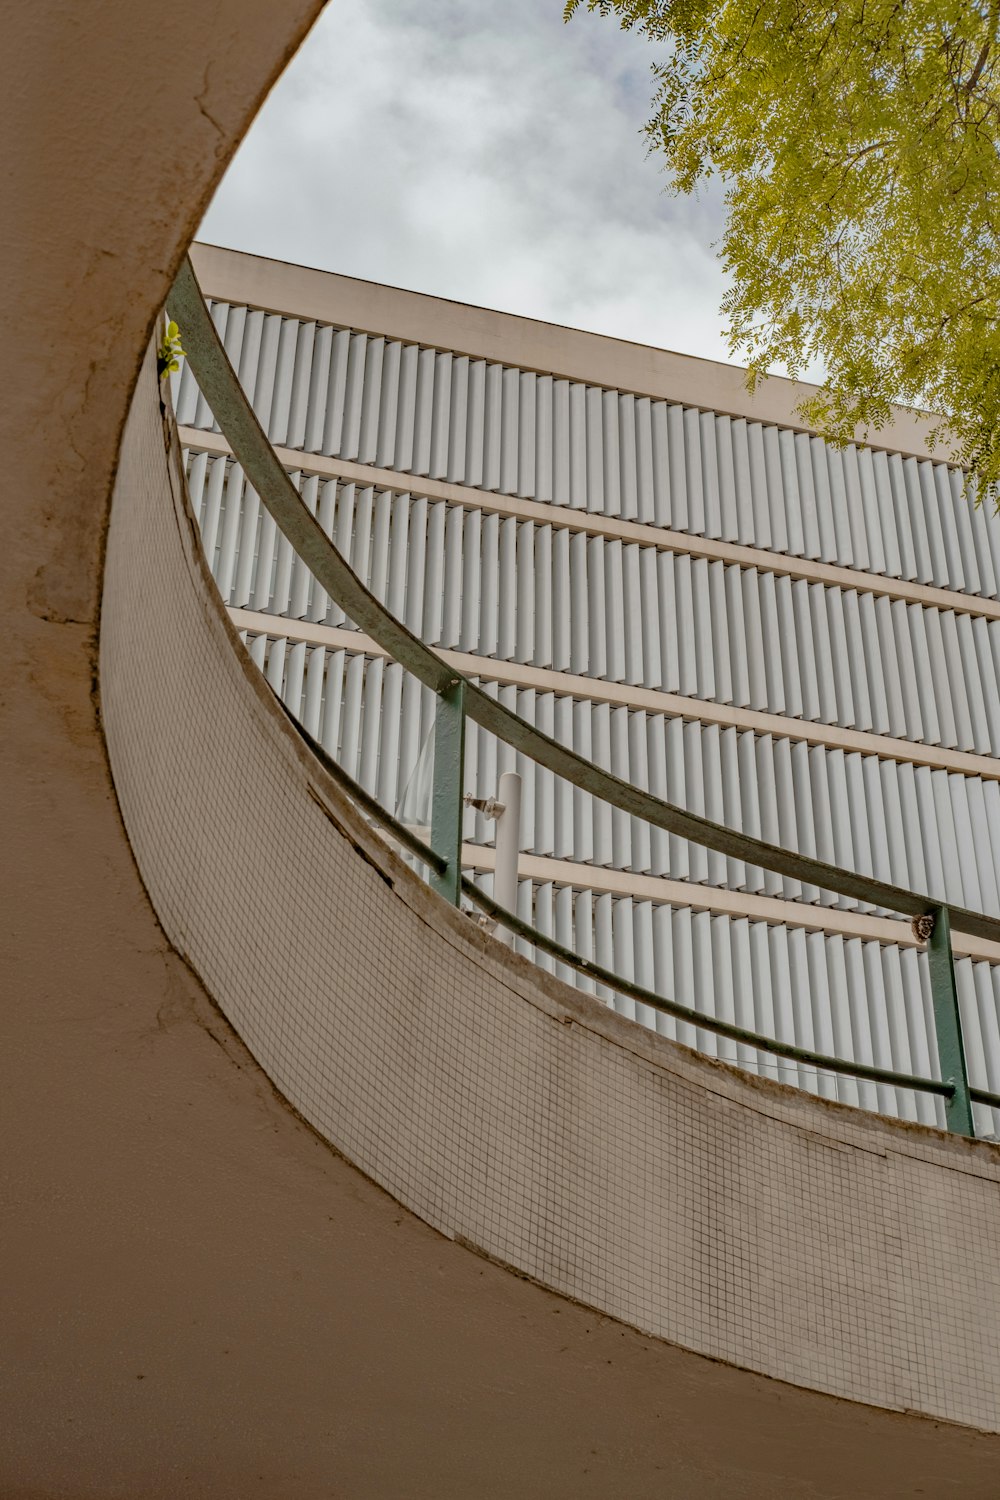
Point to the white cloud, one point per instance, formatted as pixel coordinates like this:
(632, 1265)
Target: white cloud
(484, 153)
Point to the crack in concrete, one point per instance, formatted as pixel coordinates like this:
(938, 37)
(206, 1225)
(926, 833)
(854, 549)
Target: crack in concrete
(203, 109)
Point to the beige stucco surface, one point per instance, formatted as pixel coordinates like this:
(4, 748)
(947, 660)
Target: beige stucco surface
(200, 1297)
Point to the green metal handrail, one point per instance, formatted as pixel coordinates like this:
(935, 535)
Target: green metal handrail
(459, 698)
(586, 966)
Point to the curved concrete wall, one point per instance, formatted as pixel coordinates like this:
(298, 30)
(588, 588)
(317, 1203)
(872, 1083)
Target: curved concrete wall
(200, 1297)
(731, 1216)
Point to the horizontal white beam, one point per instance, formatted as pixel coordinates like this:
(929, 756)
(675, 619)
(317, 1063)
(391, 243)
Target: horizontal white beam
(544, 513)
(720, 902)
(651, 700)
(569, 353)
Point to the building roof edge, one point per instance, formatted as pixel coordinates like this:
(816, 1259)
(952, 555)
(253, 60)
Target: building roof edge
(530, 344)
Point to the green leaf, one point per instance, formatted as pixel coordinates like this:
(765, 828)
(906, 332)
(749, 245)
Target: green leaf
(860, 148)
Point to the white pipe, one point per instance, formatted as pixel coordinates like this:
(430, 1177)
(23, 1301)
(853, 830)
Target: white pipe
(508, 848)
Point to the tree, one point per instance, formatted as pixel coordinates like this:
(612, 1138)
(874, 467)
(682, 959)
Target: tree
(858, 144)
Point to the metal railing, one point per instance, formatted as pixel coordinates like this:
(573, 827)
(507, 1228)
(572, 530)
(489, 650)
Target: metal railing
(459, 699)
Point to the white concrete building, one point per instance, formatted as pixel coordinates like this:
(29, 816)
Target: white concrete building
(681, 583)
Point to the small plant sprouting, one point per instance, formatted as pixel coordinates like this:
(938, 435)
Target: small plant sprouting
(170, 353)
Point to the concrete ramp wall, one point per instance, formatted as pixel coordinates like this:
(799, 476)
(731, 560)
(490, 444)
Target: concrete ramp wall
(729, 1215)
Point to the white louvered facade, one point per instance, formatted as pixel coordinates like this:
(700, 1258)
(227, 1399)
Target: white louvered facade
(557, 534)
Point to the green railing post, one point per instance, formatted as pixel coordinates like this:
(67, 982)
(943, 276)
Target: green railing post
(948, 1025)
(446, 802)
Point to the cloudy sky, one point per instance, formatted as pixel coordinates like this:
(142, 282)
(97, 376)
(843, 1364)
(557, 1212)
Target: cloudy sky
(482, 152)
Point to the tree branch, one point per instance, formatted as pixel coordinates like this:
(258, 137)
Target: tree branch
(977, 70)
(974, 76)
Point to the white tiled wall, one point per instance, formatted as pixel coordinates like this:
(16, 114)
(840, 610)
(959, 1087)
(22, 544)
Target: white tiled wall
(789, 1236)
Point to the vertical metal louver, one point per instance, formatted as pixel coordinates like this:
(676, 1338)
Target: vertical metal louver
(820, 990)
(553, 597)
(428, 412)
(632, 614)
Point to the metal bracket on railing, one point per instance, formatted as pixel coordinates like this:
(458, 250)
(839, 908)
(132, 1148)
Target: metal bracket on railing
(488, 806)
